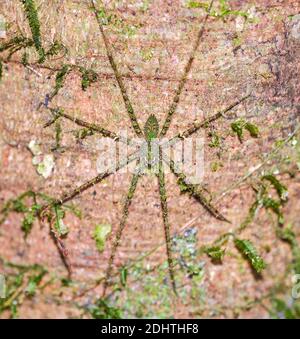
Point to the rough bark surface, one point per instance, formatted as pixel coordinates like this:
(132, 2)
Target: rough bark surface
(151, 46)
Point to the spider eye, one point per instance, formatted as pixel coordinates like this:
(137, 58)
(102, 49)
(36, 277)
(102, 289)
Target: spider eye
(151, 127)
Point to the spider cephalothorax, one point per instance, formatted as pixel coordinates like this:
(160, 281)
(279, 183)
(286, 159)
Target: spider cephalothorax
(152, 150)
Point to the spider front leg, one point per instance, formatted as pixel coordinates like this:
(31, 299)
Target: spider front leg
(60, 113)
(187, 69)
(164, 207)
(92, 182)
(204, 123)
(118, 76)
(129, 197)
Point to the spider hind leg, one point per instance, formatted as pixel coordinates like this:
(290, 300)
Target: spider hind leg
(165, 215)
(129, 197)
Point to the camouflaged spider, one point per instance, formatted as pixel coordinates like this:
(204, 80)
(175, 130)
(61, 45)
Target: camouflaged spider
(151, 130)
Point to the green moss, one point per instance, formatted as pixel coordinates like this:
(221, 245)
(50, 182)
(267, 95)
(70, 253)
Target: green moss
(287, 234)
(33, 283)
(215, 166)
(240, 125)
(215, 140)
(264, 199)
(246, 248)
(284, 309)
(102, 310)
(59, 225)
(197, 4)
(55, 49)
(123, 276)
(24, 59)
(100, 234)
(88, 76)
(60, 78)
(58, 137)
(275, 206)
(279, 187)
(145, 5)
(33, 20)
(29, 219)
(15, 44)
(147, 54)
(117, 23)
(237, 41)
(221, 9)
(31, 213)
(251, 214)
(22, 282)
(215, 252)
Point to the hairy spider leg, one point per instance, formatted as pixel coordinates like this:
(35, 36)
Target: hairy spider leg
(127, 102)
(165, 215)
(173, 107)
(116, 243)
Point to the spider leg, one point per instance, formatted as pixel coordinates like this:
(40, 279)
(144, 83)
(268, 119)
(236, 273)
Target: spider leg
(202, 124)
(195, 191)
(192, 189)
(59, 112)
(164, 207)
(183, 79)
(129, 197)
(70, 195)
(128, 105)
